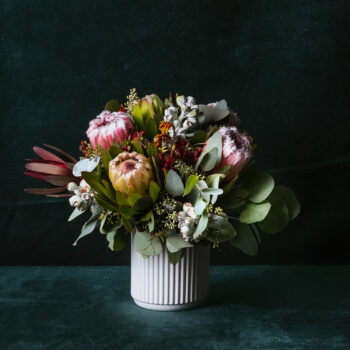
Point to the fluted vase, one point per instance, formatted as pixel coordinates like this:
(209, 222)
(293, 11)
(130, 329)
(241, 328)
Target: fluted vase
(158, 285)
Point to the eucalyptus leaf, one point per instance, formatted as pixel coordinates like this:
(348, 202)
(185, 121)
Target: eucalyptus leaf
(212, 114)
(253, 212)
(286, 195)
(76, 212)
(174, 258)
(87, 228)
(117, 240)
(220, 229)
(175, 243)
(174, 184)
(107, 226)
(200, 206)
(245, 240)
(202, 225)
(277, 219)
(259, 184)
(146, 245)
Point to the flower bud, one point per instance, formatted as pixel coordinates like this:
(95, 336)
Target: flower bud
(236, 151)
(130, 173)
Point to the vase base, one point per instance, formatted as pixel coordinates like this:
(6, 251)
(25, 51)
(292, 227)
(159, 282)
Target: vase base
(168, 307)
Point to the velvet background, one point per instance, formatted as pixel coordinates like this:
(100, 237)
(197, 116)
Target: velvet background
(284, 66)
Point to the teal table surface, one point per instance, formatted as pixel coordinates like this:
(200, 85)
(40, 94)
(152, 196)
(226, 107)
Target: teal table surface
(250, 307)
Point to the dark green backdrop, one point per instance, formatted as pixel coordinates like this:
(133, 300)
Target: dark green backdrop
(284, 66)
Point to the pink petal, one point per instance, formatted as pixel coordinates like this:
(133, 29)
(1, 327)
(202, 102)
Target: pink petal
(60, 180)
(62, 152)
(39, 176)
(45, 190)
(42, 153)
(48, 169)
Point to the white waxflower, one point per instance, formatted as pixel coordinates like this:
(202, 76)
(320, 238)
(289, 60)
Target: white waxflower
(83, 196)
(75, 201)
(189, 210)
(171, 114)
(72, 186)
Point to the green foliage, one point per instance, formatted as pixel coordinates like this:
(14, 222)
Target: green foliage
(174, 258)
(277, 219)
(151, 129)
(106, 158)
(141, 113)
(117, 240)
(105, 204)
(107, 225)
(211, 156)
(146, 244)
(212, 114)
(202, 225)
(287, 196)
(220, 229)
(137, 146)
(253, 212)
(198, 137)
(259, 184)
(234, 198)
(200, 206)
(112, 106)
(154, 191)
(174, 185)
(244, 240)
(87, 228)
(175, 242)
(190, 183)
(76, 212)
(115, 150)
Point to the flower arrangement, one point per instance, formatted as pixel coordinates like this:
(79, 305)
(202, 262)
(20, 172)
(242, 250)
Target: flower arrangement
(172, 173)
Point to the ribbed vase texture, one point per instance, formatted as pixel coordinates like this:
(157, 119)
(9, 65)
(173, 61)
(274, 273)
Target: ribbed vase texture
(155, 281)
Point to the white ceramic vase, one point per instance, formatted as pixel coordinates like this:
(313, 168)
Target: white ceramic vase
(158, 285)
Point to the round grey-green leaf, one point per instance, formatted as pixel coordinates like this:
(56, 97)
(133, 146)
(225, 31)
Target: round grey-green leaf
(174, 184)
(277, 218)
(259, 184)
(175, 243)
(253, 212)
(286, 195)
(146, 245)
(245, 240)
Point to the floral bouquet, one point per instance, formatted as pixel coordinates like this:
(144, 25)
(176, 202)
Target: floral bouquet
(171, 173)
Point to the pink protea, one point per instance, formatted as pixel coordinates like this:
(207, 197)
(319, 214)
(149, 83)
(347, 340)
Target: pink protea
(236, 151)
(109, 127)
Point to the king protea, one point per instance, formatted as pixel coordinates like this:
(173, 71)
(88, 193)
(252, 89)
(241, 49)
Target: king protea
(109, 127)
(130, 173)
(52, 169)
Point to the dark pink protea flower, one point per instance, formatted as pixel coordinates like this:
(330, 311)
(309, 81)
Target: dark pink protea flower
(109, 127)
(236, 151)
(51, 169)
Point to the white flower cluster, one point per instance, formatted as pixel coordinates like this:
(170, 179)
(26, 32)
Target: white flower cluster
(187, 221)
(187, 119)
(83, 196)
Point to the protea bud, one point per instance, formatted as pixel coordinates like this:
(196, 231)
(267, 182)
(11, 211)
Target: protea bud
(130, 173)
(236, 151)
(109, 127)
